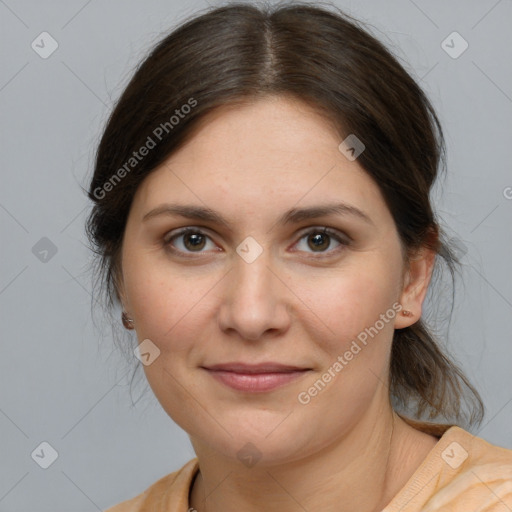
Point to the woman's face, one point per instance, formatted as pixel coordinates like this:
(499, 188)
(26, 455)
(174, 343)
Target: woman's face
(266, 286)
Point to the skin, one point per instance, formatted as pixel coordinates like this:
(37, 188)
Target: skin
(346, 449)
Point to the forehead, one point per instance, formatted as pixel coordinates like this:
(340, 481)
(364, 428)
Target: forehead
(270, 155)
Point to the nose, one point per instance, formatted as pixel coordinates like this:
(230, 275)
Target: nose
(256, 301)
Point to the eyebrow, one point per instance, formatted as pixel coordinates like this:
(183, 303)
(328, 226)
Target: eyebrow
(293, 216)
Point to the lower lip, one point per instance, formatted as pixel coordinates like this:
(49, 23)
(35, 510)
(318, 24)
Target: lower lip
(255, 382)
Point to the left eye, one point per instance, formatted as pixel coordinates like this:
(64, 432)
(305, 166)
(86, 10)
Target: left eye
(194, 240)
(321, 239)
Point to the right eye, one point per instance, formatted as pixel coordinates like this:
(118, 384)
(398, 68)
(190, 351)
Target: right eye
(192, 239)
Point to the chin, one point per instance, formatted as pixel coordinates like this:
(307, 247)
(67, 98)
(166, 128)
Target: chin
(261, 437)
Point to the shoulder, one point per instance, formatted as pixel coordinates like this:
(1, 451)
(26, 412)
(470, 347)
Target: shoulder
(475, 473)
(462, 472)
(172, 490)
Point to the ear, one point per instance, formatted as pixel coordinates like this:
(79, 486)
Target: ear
(416, 280)
(119, 287)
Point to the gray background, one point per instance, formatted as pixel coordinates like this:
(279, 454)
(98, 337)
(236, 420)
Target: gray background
(61, 380)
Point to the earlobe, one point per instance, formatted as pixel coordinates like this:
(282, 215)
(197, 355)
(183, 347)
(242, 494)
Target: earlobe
(416, 282)
(127, 321)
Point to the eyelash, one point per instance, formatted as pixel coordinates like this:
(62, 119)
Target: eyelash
(325, 230)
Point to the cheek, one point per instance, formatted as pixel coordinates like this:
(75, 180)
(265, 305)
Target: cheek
(351, 303)
(331, 305)
(164, 299)
(356, 349)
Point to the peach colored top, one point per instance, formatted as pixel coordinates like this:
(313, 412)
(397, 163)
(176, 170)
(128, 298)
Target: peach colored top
(462, 473)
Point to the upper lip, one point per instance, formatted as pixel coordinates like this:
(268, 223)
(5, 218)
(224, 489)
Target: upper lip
(269, 367)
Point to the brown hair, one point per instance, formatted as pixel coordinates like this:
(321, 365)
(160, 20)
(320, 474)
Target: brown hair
(238, 53)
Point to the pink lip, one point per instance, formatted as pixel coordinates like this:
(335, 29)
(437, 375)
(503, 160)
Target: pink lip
(255, 378)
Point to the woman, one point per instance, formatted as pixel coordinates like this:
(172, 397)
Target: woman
(262, 216)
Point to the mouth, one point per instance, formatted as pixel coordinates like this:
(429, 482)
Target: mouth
(258, 378)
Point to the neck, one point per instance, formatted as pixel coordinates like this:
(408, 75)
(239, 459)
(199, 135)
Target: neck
(362, 470)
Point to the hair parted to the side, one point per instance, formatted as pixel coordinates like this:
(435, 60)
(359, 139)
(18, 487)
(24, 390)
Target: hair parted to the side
(239, 53)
